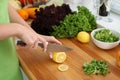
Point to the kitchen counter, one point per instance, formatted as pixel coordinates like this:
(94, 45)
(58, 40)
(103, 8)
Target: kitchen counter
(112, 25)
(38, 66)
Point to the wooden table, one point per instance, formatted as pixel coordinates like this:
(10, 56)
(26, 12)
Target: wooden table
(38, 65)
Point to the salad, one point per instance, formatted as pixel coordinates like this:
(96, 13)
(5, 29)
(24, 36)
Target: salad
(105, 35)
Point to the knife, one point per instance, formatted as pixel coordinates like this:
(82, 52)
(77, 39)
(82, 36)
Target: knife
(51, 47)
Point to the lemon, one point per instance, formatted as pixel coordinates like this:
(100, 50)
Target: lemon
(63, 67)
(59, 57)
(83, 37)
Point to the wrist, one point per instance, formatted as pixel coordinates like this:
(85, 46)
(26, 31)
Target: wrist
(17, 29)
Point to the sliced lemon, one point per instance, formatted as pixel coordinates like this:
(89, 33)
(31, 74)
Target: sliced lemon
(59, 57)
(63, 67)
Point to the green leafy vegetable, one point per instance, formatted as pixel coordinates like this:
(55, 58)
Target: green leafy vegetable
(88, 14)
(96, 67)
(49, 16)
(106, 35)
(73, 23)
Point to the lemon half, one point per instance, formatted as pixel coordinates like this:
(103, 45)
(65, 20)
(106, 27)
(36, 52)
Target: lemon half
(59, 57)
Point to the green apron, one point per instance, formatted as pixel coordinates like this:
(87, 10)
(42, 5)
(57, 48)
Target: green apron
(9, 64)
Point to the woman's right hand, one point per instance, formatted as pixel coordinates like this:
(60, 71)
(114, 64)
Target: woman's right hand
(30, 37)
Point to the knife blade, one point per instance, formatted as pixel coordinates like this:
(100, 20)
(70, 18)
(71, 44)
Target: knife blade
(51, 47)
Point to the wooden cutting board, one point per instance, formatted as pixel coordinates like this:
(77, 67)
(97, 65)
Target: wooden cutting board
(38, 66)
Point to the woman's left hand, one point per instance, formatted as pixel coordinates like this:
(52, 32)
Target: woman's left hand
(51, 39)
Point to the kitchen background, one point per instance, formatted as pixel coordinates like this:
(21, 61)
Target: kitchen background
(90, 4)
(115, 12)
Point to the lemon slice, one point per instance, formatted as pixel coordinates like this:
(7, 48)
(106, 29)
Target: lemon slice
(59, 57)
(63, 67)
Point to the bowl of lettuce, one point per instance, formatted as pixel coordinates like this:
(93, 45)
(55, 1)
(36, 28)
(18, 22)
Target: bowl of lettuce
(105, 38)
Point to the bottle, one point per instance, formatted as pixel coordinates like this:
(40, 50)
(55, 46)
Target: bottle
(103, 10)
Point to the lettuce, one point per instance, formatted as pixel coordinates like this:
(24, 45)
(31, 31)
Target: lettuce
(83, 20)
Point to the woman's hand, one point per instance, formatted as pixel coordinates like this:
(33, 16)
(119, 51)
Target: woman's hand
(26, 33)
(51, 39)
(32, 39)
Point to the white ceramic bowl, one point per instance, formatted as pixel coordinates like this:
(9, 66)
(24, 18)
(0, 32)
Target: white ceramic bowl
(105, 45)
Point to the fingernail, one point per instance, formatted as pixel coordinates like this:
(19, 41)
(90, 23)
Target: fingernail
(46, 43)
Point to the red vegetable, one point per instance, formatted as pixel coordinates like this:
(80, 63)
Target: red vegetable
(48, 17)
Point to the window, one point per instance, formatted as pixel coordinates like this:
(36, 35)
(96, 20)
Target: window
(115, 6)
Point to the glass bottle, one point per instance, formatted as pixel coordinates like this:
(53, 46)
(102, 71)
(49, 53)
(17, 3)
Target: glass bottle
(103, 10)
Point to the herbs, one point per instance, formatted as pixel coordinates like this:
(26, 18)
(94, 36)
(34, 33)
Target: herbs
(96, 67)
(60, 22)
(92, 21)
(106, 35)
(73, 23)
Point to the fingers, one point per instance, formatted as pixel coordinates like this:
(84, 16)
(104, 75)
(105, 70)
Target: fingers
(46, 47)
(31, 43)
(52, 39)
(35, 45)
(44, 43)
(32, 40)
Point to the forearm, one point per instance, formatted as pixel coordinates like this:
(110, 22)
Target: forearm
(8, 30)
(16, 18)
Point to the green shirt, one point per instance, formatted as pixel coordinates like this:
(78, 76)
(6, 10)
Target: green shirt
(9, 64)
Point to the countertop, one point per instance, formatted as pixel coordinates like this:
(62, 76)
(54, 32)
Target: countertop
(111, 25)
(38, 66)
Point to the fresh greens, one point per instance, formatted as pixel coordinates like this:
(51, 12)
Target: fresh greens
(96, 67)
(92, 21)
(105, 35)
(49, 16)
(83, 20)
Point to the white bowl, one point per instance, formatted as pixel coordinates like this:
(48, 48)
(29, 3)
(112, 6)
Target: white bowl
(105, 45)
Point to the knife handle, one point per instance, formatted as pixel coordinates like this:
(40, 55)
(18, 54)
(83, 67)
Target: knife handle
(24, 44)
